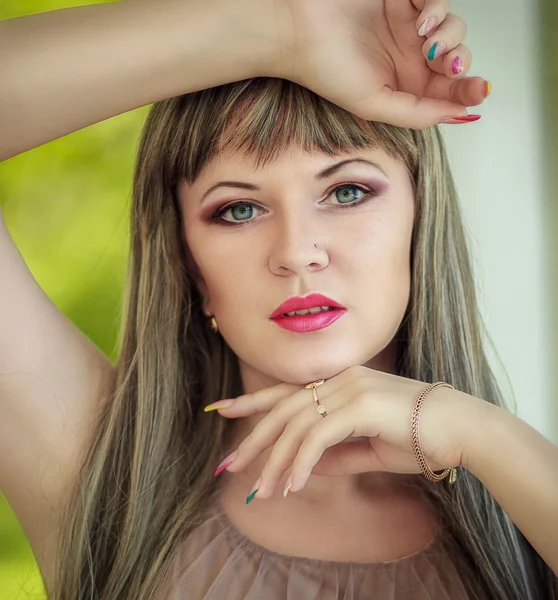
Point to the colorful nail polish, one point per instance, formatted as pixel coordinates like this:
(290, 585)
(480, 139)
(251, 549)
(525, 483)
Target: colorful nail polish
(427, 26)
(437, 50)
(251, 496)
(219, 404)
(254, 491)
(465, 119)
(488, 89)
(226, 462)
(288, 486)
(457, 65)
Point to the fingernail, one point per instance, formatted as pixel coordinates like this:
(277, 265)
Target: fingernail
(437, 49)
(457, 65)
(226, 462)
(288, 486)
(254, 491)
(219, 404)
(488, 89)
(427, 26)
(465, 119)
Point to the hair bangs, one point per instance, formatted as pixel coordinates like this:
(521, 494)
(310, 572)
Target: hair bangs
(262, 118)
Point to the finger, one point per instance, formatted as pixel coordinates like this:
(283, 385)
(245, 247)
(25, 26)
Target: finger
(293, 415)
(407, 110)
(468, 91)
(454, 64)
(433, 12)
(287, 444)
(444, 38)
(331, 430)
(254, 403)
(284, 451)
(265, 399)
(283, 412)
(361, 457)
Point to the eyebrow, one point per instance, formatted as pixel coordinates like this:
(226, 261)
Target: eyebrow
(318, 177)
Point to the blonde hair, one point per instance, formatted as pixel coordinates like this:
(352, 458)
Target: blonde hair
(147, 479)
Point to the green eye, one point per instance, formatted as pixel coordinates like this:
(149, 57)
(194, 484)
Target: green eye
(242, 212)
(347, 197)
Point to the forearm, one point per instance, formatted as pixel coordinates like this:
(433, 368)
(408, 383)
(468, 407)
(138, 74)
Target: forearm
(67, 69)
(519, 467)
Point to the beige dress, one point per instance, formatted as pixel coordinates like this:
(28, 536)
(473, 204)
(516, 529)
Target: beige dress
(218, 562)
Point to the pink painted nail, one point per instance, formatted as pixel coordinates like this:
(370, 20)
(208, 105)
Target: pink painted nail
(457, 65)
(226, 462)
(427, 26)
(465, 119)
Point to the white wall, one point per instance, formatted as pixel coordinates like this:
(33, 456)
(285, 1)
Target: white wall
(497, 165)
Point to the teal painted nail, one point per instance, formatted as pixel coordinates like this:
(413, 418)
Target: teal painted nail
(432, 52)
(251, 497)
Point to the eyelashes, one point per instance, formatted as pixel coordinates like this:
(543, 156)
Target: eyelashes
(217, 217)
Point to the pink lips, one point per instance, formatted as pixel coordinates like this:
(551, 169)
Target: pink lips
(306, 323)
(309, 322)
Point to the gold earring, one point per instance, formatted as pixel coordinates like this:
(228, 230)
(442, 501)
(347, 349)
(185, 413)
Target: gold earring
(213, 325)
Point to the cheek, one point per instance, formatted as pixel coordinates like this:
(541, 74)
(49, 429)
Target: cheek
(380, 251)
(379, 264)
(229, 278)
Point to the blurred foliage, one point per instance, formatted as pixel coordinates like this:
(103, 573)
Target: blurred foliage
(66, 205)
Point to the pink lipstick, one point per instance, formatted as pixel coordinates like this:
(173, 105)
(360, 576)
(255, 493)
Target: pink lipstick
(325, 311)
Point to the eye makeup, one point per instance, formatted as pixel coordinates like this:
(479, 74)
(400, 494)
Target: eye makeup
(216, 216)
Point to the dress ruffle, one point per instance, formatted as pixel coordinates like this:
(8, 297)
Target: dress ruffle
(218, 562)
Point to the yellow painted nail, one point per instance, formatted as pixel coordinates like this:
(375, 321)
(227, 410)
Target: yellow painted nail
(488, 89)
(218, 405)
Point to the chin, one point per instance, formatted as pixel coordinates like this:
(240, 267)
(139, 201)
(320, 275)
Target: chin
(307, 375)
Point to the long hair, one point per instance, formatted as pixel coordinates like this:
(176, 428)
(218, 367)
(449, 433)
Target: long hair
(147, 478)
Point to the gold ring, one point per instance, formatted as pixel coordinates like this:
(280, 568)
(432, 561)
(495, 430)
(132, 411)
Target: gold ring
(312, 386)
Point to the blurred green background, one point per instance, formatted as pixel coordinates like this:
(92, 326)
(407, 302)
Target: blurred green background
(67, 208)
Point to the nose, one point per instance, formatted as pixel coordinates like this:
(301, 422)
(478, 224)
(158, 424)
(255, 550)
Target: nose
(297, 246)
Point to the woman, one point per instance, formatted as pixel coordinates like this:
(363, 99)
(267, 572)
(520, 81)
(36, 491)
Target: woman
(261, 127)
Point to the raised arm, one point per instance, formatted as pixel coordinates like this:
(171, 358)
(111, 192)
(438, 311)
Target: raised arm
(67, 69)
(59, 72)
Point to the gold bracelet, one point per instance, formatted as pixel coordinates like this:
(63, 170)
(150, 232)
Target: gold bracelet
(415, 442)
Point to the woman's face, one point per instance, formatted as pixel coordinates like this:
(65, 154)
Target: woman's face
(261, 251)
